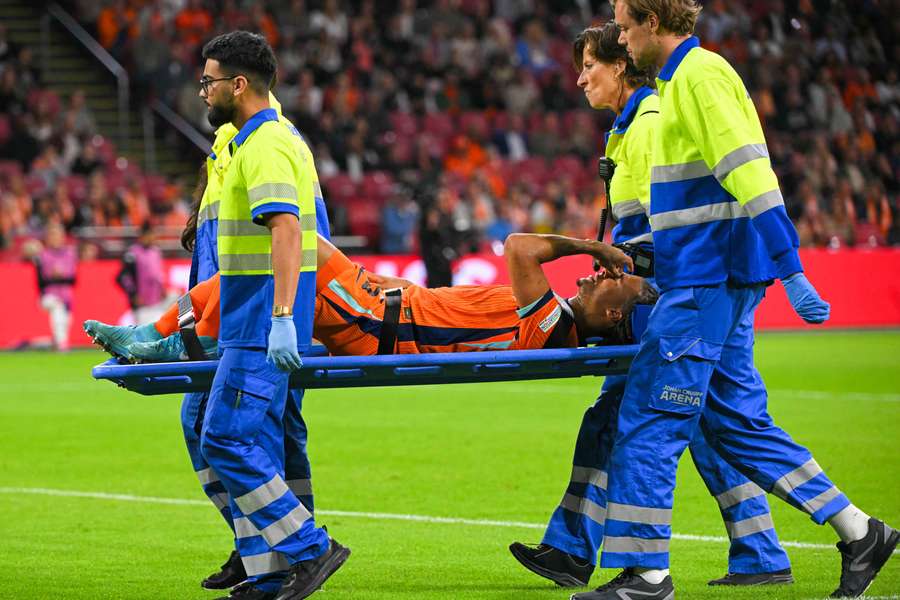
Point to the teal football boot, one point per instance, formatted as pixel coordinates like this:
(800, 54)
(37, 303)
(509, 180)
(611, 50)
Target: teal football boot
(171, 349)
(116, 339)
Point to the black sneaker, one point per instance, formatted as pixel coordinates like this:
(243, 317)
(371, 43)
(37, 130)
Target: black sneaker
(561, 568)
(861, 560)
(246, 591)
(772, 578)
(229, 575)
(628, 585)
(307, 576)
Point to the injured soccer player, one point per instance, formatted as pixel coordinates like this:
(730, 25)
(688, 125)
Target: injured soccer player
(360, 313)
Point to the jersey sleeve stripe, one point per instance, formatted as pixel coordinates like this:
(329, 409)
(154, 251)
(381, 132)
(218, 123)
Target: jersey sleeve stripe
(535, 306)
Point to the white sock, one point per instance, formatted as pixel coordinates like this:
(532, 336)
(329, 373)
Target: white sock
(654, 576)
(850, 524)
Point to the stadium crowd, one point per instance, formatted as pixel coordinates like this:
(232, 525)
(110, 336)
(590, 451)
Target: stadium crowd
(56, 169)
(466, 112)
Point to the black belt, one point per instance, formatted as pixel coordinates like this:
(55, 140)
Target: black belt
(641, 256)
(186, 324)
(391, 320)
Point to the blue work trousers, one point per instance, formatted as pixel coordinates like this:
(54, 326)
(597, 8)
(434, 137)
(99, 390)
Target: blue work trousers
(577, 524)
(695, 368)
(296, 461)
(242, 441)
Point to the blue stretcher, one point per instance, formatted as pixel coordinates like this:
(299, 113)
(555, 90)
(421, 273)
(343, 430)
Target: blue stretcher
(398, 369)
(322, 371)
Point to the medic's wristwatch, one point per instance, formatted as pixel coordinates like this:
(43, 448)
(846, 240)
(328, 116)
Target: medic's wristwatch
(280, 310)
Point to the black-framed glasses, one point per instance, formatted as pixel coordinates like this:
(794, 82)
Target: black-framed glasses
(205, 82)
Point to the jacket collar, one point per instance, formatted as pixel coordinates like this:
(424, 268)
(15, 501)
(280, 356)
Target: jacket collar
(252, 124)
(677, 56)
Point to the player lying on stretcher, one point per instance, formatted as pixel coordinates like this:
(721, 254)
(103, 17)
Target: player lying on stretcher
(351, 307)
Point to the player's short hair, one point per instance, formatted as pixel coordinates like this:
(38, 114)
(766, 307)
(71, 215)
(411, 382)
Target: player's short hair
(244, 53)
(603, 44)
(675, 16)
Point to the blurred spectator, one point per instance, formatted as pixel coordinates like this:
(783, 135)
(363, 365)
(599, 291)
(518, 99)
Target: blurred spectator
(438, 239)
(142, 277)
(422, 74)
(115, 25)
(398, 224)
(194, 23)
(56, 264)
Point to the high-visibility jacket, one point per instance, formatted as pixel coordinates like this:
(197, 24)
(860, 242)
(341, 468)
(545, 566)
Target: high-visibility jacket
(271, 171)
(716, 211)
(629, 144)
(205, 260)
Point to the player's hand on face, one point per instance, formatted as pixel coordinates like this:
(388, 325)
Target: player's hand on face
(613, 260)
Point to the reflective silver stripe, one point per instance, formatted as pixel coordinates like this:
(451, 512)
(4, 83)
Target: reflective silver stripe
(627, 208)
(262, 564)
(220, 500)
(639, 514)
(633, 544)
(738, 529)
(241, 227)
(791, 481)
(210, 211)
(821, 500)
(737, 157)
(284, 191)
(585, 507)
(286, 525)
(309, 259)
(670, 173)
(308, 222)
(207, 476)
(641, 239)
(698, 214)
(245, 262)
(317, 190)
(300, 487)
(738, 494)
(251, 502)
(186, 319)
(764, 202)
(594, 477)
(275, 532)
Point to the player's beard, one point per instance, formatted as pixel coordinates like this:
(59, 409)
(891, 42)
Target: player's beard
(219, 115)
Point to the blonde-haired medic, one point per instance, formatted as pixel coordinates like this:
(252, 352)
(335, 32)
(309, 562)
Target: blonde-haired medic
(721, 236)
(567, 554)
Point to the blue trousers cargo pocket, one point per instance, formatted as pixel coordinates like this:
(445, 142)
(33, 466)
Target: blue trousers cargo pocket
(682, 379)
(238, 412)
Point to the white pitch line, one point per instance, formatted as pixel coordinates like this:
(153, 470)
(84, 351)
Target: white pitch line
(825, 395)
(368, 515)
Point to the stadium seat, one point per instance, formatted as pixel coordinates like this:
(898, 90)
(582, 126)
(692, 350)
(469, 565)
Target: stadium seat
(439, 125)
(9, 169)
(475, 125)
(364, 218)
(339, 188)
(76, 187)
(5, 129)
(404, 123)
(377, 186)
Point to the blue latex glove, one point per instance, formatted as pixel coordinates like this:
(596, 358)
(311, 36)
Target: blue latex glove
(283, 345)
(805, 299)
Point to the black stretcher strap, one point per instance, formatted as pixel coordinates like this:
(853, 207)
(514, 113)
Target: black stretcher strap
(389, 324)
(186, 322)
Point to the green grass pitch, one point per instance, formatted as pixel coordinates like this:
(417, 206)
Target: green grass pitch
(497, 452)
